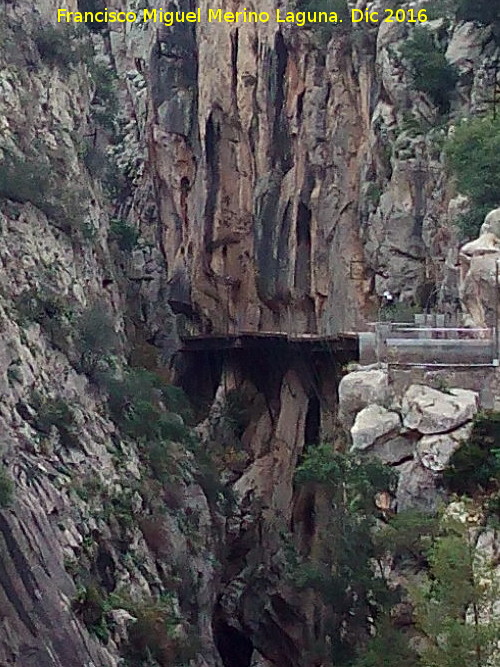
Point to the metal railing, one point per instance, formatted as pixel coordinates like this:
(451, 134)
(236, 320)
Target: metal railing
(403, 344)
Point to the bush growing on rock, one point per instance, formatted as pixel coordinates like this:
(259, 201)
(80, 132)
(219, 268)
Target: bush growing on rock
(450, 605)
(30, 179)
(432, 73)
(144, 408)
(58, 413)
(91, 605)
(135, 404)
(105, 101)
(50, 310)
(56, 46)
(23, 180)
(325, 31)
(475, 466)
(473, 156)
(454, 605)
(341, 568)
(95, 337)
(6, 487)
(156, 635)
(124, 234)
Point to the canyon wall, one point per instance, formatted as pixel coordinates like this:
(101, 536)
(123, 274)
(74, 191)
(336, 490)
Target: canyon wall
(276, 182)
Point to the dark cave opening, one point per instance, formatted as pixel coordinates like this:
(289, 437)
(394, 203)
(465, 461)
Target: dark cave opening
(313, 422)
(234, 648)
(199, 376)
(303, 261)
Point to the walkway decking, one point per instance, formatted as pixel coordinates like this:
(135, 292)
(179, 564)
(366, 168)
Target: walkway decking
(345, 343)
(397, 344)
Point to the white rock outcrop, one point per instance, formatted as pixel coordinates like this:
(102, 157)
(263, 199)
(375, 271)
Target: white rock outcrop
(360, 389)
(478, 275)
(372, 424)
(430, 411)
(435, 451)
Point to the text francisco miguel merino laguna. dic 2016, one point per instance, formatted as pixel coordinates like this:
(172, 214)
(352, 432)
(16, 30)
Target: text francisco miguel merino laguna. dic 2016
(169, 18)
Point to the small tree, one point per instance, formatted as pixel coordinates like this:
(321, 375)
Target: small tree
(124, 234)
(475, 466)
(473, 157)
(96, 337)
(432, 73)
(454, 608)
(341, 570)
(56, 46)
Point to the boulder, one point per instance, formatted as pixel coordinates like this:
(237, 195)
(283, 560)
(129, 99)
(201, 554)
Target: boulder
(359, 389)
(371, 424)
(486, 244)
(491, 224)
(416, 488)
(394, 451)
(477, 286)
(435, 451)
(430, 411)
(466, 44)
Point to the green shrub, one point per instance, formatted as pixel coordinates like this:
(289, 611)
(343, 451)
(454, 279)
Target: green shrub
(373, 194)
(56, 46)
(431, 72)
(154, 636)
(95, 337)
(6, 487)
(408, 536)
(475, 466)
(101, 167)
(105, 105)
(459, 579)
(125, 235)
(236, 411)
(328, 468)
(50, 310)
(340, 567)
(388, 648)
(91, 605)
(24, 180)
(176, 400)
(216, 492)
(56, 412)
(31, 179)
(468, 224)
(473, 157)
(136, 405)
(135, 402)
(397, 312)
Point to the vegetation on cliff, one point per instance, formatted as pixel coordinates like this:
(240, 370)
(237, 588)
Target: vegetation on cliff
(446, 589)
(473, 154)
(431, 72)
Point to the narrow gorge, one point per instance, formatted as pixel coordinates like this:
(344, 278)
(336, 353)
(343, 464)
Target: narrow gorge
(219, 240)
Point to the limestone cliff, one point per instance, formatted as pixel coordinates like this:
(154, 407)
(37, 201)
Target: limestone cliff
(205, 178)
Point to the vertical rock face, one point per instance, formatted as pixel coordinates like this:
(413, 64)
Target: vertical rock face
(259, 183)
(275, 185)
(291, 193)
(479, 274)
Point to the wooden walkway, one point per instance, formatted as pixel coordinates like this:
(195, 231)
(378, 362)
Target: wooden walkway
(345, 343)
